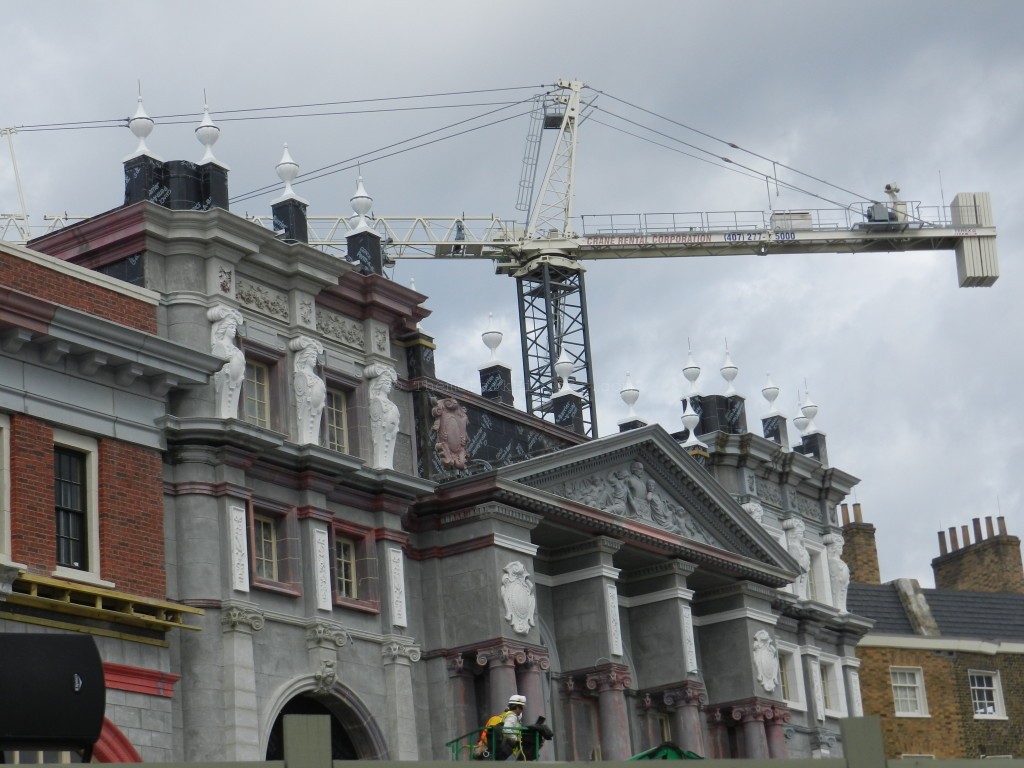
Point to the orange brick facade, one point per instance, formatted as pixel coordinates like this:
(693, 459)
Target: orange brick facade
(130, 516)
(992, 565)
(941, 733)
(951, 731)
(70, 291)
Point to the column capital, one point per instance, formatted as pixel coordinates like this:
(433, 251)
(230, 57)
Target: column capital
(688, 694)
(612, 677)
(501, 655)
(752, 712)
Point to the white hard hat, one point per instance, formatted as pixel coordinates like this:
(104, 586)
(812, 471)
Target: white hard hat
(517, 698)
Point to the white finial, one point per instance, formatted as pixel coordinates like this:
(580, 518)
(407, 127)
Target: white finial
(412, 283)
(629, 394)
(729, 371)
(692, 372)
(690, 421)
(287, 170)
(141, 125)
(362, 204)
(563, 370)
(801, 421)
(770, 392)
(809, 409)
(207, 133)
(492, 338)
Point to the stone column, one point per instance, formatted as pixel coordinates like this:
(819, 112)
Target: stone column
(239, 739)
(501, 674)
(462, 698)
(685, 703)
(400, 720)
(610, 683)
(752, 717)
(531, 685)
(719, 735)
(649, 722)
(569, 693)
(775, 732)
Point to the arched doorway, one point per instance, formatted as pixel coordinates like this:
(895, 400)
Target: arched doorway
(354, 733)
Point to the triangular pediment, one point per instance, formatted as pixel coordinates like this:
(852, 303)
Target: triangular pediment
(644, 478)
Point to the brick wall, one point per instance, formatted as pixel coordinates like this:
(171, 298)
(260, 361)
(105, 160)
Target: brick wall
(942, 733)
(987, 736)
(859, 550)
(992, 565)
(132, 518)
(130, 508)
(32, 517)
(71, 291)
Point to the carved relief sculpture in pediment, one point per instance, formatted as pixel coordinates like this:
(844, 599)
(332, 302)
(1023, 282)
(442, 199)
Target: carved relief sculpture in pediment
(517, 595)
(310, 390)
(227, 381)
(766, 660)
(630, 493)
(450, 421)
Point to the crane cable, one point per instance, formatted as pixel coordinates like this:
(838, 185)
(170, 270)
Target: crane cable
(344, 165)
(733, 145)
(120, 122)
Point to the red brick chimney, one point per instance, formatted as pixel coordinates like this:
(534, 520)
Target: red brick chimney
(992, 563)
(859, 551)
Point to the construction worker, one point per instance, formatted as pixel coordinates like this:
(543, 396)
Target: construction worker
(512, 724)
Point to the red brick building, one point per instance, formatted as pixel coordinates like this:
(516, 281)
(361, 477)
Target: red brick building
(83, 379)
(944, 668)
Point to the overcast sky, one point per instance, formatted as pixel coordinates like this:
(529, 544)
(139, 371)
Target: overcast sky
(916, 379)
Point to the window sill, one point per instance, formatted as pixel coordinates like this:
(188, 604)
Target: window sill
(85, 577)
(991, 717)
(366, 606)
(797, 706)
(913, 715)
(276, 586)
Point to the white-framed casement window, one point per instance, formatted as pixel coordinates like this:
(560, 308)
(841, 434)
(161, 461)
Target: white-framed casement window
(908, 693)
(256, 393)
(346, 582)
(5, 489)
(264, 553)
(336, 420)
(791, 676)
(76, 507)
(986, 695)
(274, 548)
(833, 690)
(819, 586)
(354, 567)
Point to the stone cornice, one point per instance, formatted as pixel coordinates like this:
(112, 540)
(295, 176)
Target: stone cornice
(95, 344)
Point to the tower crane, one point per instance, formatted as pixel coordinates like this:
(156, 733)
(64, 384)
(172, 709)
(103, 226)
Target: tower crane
(546, 257)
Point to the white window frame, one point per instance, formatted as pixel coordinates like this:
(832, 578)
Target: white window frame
(819, 585)
(90, 448)
(251, 392)
(329, 423)
(791, 669)
(919, 686)
(833, 689)
(997, 693)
